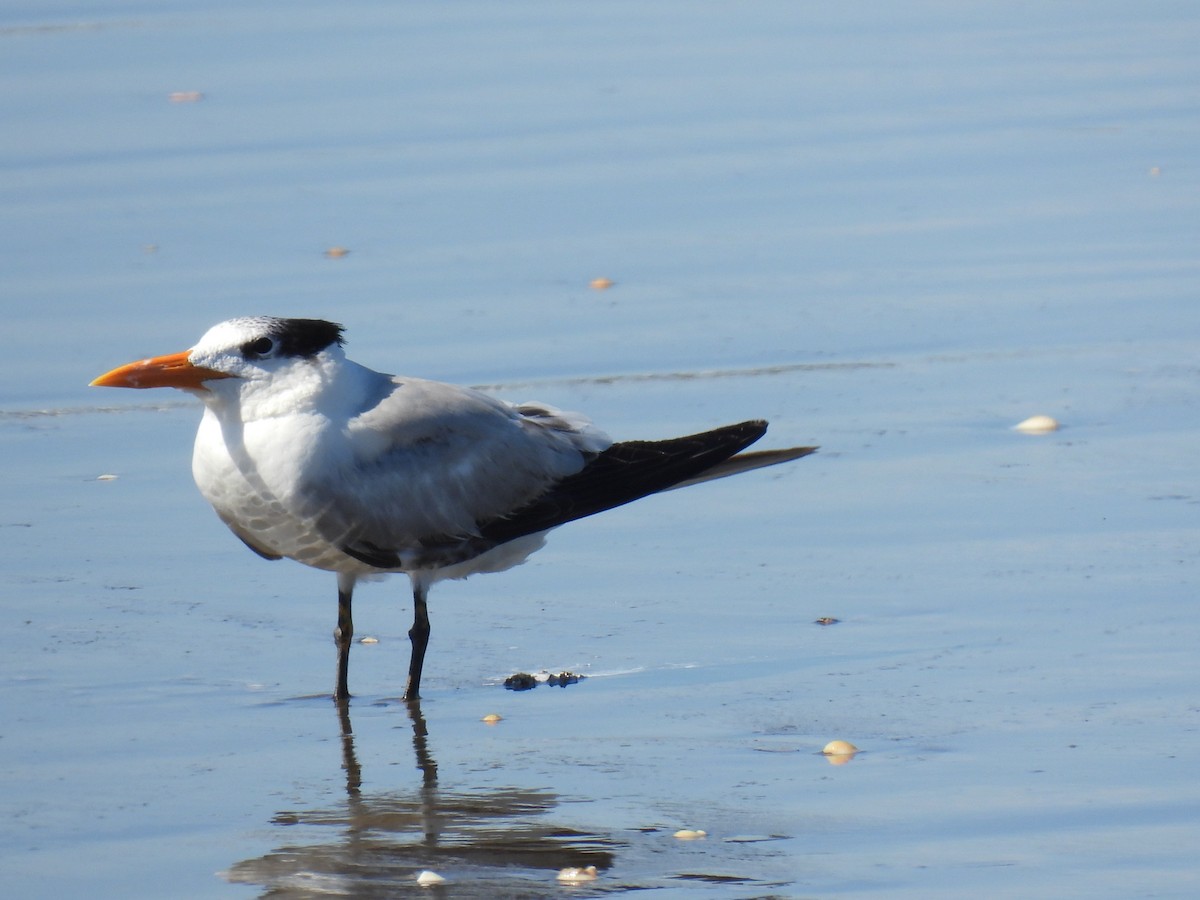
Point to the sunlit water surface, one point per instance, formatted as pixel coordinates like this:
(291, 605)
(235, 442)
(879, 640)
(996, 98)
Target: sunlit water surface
(893, 230)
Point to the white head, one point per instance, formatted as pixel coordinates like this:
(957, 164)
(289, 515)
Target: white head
(256, 347)
(253, 350)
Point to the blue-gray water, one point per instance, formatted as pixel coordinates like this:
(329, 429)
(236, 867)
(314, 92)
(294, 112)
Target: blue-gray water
(893, 230)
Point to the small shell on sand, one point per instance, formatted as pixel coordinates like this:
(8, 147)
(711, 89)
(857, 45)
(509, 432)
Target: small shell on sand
(1037, 425)
(575, 875)
(839, 748)
(491, 719)
(690, 834)
(427, 878)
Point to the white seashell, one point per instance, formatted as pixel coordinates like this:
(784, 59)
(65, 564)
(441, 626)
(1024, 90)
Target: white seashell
(839, 748)
(690, 834)
(574, 874)
(426, 878)
(1037, 425)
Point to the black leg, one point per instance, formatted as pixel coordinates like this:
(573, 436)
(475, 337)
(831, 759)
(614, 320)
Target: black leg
(343, 635)
(419, 635)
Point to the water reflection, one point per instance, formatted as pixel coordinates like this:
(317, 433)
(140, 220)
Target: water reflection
(486, 843)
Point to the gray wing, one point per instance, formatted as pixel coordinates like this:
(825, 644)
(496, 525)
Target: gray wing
(619, 474)
(430, 462)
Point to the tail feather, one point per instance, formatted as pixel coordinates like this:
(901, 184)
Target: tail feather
(746, 462)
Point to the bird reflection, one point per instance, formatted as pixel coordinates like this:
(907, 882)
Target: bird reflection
(486, 843)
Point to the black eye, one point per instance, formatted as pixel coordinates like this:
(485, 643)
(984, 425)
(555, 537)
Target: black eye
(259, 348)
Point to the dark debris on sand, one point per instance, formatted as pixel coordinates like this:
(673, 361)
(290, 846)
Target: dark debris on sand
(523, 681)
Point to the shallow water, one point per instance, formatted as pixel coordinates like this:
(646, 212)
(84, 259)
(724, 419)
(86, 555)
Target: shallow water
(894, 233)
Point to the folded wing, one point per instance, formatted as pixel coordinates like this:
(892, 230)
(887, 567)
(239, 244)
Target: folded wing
(620, 474)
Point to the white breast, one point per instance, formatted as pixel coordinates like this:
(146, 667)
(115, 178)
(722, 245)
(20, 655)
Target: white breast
(251, 474)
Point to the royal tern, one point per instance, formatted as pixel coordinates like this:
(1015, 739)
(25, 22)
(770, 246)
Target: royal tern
(306, 454)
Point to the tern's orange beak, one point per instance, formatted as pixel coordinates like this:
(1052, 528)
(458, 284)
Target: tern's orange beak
(160, 371)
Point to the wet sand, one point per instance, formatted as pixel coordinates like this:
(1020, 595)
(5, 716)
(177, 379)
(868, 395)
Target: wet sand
(895, 235)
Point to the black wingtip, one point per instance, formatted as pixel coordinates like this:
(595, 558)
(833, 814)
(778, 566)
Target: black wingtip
(623, 473)
(757, 427)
